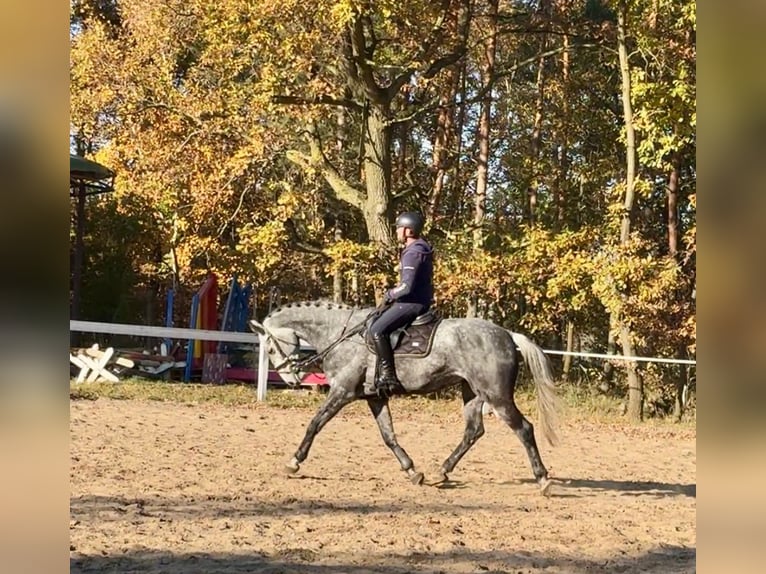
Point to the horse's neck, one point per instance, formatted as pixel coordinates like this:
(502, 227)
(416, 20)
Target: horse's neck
(323, 327)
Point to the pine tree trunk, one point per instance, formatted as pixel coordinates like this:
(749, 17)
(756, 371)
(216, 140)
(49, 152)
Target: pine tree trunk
(402, 135)
(567, 366)
(483, 130)
(673, 247)
(443, 142)
(562, 172)
(356, 296)
(341, 141)
(611, 348)
(536, 140)
(337, 277)
(635, 383)
(681, 382)
(483, 142)
(672, 192)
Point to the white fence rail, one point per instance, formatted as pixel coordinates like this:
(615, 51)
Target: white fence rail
(162, 332)
(180, 333)
(258, 341)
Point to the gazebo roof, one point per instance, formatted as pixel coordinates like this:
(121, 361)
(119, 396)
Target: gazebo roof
(95, 177)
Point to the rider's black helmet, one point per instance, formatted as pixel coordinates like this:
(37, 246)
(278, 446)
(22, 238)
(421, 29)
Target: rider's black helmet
(411, 219)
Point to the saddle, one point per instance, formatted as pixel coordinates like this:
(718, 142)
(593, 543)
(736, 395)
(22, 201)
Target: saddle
(413, 340)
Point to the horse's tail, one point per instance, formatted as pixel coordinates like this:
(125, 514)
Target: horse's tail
(547, 402)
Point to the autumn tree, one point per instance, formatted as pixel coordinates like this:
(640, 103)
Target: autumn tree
(379, 63)
(277, 140)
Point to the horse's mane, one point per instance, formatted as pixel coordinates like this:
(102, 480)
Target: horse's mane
(327, 303)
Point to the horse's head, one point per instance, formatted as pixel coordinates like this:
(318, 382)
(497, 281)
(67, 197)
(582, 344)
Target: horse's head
(320, 323)
(282, 347)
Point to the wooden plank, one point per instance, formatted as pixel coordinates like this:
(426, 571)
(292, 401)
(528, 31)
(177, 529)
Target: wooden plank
(164, 368)
(84, 368)
(146, 357)
(97, 354)
(99, 367)
(76, 361)
(148, 364)
(123, 362)
(98, 370)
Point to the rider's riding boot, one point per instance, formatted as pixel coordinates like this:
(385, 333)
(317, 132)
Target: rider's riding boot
(385, 374)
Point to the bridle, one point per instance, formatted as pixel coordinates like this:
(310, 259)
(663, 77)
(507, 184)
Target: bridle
(286, 360)
(297, 365)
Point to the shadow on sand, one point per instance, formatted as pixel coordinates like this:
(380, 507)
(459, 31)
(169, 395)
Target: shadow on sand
(119, 508)
(630, 487)
(665, 560)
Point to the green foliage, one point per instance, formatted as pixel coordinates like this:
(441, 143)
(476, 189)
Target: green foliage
(549, 272)
(633, 281)
(664, 83)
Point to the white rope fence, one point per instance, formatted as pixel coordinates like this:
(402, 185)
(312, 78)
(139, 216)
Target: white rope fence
(258, 340)
(622, 357)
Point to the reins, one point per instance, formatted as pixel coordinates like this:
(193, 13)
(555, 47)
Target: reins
(344, 336)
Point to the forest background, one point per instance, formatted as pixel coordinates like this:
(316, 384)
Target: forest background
(551, 145)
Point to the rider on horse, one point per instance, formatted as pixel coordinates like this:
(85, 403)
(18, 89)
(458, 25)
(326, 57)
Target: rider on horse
(409, 299)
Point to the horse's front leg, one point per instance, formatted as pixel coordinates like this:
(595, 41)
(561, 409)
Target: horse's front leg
(336, 400)
(382, 414)
(474, 430)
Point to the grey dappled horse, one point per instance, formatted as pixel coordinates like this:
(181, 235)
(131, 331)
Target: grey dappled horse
(477, 354)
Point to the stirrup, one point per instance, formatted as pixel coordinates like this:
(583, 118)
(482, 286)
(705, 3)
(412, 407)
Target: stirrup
(387, 386)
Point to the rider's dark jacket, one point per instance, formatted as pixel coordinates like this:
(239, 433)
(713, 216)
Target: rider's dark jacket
(416, 275)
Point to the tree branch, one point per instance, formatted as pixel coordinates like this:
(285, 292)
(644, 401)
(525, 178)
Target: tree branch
(319, 100)
(317, 160)
(438, 65)
(434, 35)
(163, 106)
(355, 85)
(300, 245)
(231, 218)
(360, 58)
(434, 102)
(404, 193)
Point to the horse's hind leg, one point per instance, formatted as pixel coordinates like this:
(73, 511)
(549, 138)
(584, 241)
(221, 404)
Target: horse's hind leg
(335, 401)
(510, 414)
(474, 430)
(382, 414)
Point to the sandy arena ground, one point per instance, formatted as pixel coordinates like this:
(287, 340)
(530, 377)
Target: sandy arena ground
(164, 487)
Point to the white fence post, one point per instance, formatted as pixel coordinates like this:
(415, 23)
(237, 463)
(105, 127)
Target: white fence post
(263, 368)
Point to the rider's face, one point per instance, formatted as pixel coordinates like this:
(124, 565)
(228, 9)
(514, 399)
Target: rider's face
(401, 234)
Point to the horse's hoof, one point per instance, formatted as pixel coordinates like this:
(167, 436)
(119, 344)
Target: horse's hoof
(545, 486)
(441, 478)
(416, 478)
(292, 467)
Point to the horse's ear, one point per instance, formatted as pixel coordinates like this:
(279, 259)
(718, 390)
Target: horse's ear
(256, 327)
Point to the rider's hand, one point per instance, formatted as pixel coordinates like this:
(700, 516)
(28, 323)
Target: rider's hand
(387, 298)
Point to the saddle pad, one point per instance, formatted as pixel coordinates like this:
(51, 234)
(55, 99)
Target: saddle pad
(412, 341)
